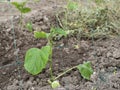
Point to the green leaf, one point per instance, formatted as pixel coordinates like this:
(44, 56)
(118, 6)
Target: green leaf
(36, 0)
(29, 26)
(55, 84)
(16, 4)
(40, 34)
(25, 10)
(36, 59)
(58, 31)
(85, 70)
(21, 7)
(72, 5)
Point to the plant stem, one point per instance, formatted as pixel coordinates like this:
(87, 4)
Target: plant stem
(66, 15)
(50, 59)
(51, 66)
(65, 72)
(21, 18)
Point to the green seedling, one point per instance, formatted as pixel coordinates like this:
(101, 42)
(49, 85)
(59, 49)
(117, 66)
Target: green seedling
(21, 7)
(37, 59)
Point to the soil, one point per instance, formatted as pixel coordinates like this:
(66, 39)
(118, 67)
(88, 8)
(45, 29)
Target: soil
(103, 54)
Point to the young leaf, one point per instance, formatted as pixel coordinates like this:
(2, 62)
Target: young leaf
(36, 59)
(85, 70)
(36, 0)
(72, 5)
(25, 10)
(16, 4)
(59, 31)
(40, 34)
(29, 26)
(55, 84)
(21, 7)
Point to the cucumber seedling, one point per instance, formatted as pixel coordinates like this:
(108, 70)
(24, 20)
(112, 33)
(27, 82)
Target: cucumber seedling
(37, 59)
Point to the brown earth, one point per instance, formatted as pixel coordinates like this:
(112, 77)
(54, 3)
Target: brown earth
(104, 55)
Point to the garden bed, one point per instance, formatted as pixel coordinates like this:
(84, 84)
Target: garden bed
(103, 53)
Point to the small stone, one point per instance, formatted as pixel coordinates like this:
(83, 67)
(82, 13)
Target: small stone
(15, 82)
(9, 29)
(28, 84)
(115, 85)
(37, 80)
(3, 73)
(34, 83)
(109, 54)
(16, 52)
(94, 77)
(45, 19)
(32, 88)
(116, 53)
(66, 50)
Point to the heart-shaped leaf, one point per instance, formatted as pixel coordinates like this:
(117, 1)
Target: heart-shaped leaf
(36, 59)
(85, 70)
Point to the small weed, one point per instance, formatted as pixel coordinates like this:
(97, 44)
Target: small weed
(21, 7)
(99, 19)
(37, 59)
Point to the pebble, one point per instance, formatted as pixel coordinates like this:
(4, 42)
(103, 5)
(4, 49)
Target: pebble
(34, 82)
(116, 54)
(15, 82)
(109, 54)
(94, 77)
(45, 18)
(4, 73)
(28, 84)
